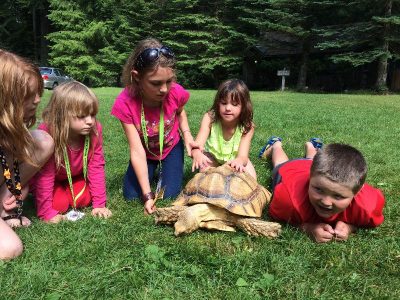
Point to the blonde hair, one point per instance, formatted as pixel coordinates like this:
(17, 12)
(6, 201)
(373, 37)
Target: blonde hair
(16, 76)
(162, 61)
(68, 100)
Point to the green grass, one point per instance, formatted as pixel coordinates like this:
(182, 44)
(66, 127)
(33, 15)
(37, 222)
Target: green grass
(128, 257)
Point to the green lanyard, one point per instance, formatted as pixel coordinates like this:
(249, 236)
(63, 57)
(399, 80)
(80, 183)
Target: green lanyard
(85, 167)
(160, 140)
(160, 132)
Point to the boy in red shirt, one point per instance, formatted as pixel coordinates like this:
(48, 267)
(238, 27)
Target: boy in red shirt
(324, 194)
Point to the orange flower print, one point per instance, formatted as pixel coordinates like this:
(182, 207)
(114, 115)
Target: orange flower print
(7, 173)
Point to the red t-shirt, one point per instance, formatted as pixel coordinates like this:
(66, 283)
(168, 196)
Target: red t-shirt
(290, 202)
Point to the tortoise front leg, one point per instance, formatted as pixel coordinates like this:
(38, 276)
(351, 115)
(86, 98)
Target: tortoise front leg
(168, 215)
(259, 227)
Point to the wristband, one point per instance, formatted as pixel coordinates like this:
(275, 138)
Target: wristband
(148, 196)
(186, 130)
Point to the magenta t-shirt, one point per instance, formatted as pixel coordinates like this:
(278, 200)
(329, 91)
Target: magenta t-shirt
(44, 181)
(127, 109)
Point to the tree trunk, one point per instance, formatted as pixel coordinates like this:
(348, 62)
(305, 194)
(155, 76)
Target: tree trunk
(302, 79)
(44, 30)
(380, 84)
(35, 52)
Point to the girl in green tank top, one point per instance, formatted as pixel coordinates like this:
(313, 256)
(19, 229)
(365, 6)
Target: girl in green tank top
(226, 130)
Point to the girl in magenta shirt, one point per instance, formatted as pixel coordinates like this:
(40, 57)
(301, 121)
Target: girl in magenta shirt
(74, 177)
(151, 111)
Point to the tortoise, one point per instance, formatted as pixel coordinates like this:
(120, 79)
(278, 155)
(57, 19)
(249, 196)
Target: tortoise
(220, 199)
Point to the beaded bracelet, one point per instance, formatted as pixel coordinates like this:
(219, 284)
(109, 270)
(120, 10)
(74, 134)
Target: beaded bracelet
(148, 196)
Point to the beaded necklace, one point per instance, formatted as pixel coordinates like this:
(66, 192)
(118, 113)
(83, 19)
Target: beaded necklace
(14, 189)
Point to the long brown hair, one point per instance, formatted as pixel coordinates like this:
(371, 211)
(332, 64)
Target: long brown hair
(162, 61)
(237, 90)
(16, 76)
(68, 100)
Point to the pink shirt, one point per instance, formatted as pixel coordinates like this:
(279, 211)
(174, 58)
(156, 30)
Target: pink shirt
(290, 202)
(43, 182)
(127, 109)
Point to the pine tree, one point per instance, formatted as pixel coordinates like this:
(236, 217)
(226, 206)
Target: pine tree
(364, 32)
(295, 19)
(208, 37)
(92, 39)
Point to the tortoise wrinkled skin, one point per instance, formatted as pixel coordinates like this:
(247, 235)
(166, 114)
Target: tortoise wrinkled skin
(220, 199)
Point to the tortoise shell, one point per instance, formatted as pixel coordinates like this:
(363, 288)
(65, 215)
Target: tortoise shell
(237, 192)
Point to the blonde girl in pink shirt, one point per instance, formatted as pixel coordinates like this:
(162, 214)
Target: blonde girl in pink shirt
(151, 111)
(74, 177)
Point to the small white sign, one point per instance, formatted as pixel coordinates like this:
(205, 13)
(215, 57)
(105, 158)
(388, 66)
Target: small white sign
(283, 73)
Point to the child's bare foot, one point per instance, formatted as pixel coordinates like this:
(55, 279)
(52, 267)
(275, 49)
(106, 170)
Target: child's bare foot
(267, 149)
(10, 217)
(310, 150)
(312, 146)
(9, 209)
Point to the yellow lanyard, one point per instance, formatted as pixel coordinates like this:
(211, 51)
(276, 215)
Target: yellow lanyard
(160, 131)
(160, 139)
(85, 167)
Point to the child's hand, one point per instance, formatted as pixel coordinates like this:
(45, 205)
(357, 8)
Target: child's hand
(238, 164)
(56, 219)
(101, 212)
(200, 161)
(194, 145)
(149, 207)
(320, 232)
(343, 231)
(9, 200)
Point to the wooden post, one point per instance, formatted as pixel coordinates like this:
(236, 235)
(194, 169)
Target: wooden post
(283, 73)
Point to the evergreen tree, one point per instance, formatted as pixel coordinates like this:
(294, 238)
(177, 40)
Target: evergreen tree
(365, 32)
(296, 19)
(208, 38)
(92, 38)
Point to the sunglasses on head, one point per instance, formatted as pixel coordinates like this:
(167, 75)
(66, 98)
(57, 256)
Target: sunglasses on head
(150, 55)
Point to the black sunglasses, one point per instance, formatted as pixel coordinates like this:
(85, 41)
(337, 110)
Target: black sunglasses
(150, 55)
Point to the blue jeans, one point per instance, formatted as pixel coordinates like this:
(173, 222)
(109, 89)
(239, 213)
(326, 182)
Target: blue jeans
(172, 175)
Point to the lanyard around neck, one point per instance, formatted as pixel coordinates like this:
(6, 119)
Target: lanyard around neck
(160, 131)
(85, 166)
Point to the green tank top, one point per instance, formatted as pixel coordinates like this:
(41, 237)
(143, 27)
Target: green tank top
(222, 150)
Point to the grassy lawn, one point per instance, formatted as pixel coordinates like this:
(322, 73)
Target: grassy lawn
(128, 257)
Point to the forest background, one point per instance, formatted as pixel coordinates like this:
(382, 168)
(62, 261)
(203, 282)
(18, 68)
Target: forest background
(215, 40)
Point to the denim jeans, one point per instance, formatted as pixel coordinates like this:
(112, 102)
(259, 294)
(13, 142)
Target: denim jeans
(172, 175)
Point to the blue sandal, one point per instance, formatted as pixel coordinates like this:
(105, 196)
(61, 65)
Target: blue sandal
(272, 140)
(317, 142)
